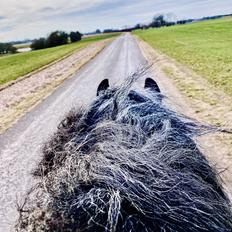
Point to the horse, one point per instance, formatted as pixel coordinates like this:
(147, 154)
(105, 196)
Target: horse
(127, 162)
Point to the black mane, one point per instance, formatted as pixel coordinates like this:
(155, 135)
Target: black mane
(127, 163)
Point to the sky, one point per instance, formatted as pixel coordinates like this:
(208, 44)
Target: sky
(28, 19)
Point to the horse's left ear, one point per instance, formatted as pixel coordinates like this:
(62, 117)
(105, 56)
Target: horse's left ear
(152, 85)
(104, 85)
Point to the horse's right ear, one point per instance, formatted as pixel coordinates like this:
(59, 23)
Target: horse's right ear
(104, 85)
(152, 85)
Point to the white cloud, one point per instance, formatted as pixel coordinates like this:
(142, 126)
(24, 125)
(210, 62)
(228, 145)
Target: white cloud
(33, 18)
(23, 18)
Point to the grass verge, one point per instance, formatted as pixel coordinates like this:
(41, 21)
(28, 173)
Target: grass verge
(19, 105)
(204, 47)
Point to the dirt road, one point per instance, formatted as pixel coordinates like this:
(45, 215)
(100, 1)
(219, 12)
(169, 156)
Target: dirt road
(20, 147)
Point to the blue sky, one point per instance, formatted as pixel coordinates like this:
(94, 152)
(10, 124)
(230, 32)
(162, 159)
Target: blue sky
(20, 19)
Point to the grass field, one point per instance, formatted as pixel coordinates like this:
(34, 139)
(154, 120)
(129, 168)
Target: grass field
(205, 47)
(14, 66)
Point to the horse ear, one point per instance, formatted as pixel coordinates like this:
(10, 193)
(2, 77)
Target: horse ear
(152, 85)
(104, 85)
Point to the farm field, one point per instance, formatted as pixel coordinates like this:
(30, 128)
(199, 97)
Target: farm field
(14, 66)
(205, 47)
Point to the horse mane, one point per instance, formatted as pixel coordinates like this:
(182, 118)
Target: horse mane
(126, 163)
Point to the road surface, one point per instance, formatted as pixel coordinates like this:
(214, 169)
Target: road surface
(20, 147)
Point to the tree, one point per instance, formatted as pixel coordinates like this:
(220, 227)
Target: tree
(6, 48)
(168, 24)
(38, 44)
(57, 38)
(158, 21)
(111, 30)
(181, 22)
(11, 48)
(137, 26)
(98, 31)
(75, 36)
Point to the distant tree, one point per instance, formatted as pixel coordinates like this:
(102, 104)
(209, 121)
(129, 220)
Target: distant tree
(2, 48)
(184, 21)
(11, 48)
(38, 44)
(137, 26)
(161, 20)
(75, 36)
(158, 21)
(107, 31)
(190, 20)
(111, 30)
(145, 27)
(6, 48)
(168, 24)
(57, 38)
(181, 21)
(98, 31)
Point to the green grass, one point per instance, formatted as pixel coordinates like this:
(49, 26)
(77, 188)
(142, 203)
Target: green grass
(205, 47)
(14, 66)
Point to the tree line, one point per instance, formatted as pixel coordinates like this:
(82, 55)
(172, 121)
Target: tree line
(161, 20)
(56, 38)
